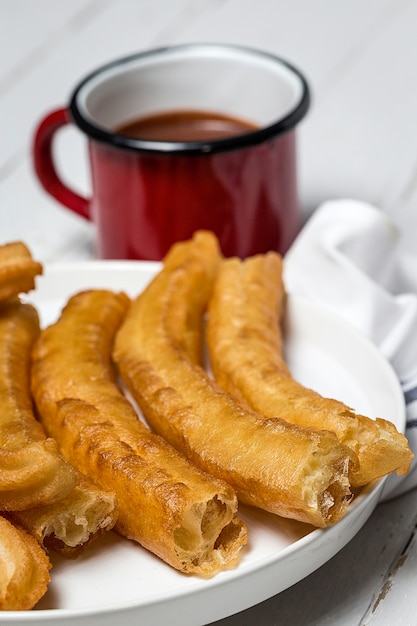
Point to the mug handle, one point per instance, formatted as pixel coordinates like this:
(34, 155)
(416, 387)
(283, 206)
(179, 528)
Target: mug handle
(44, 163)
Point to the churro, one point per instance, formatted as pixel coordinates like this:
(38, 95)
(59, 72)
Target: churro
(24, 569)
(186, 517)
(285, 469)
(18, 269)
(32, 472)
(244, 336)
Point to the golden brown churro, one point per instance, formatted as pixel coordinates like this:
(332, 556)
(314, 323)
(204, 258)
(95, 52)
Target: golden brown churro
(24, 569)
(178, 512)
(294, 472)
(244, 336)
(38, 489)
(17, 269)
(31, 470)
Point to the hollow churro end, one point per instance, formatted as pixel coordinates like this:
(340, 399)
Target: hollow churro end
(335, 499)
(70, 525)
(326, 485)
(388, 451)
(210, 537)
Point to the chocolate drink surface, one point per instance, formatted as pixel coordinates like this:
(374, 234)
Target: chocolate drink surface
(185, 126)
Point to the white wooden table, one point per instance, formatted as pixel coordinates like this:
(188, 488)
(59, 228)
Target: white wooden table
(359, 140)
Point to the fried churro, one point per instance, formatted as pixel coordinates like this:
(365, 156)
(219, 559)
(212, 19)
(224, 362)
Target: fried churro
(24, 569)
(184, 516)
(18, 269)
(31, 470)
(244, 336)
(285, 469)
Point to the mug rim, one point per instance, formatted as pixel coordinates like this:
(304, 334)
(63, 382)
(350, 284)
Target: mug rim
(239, 141)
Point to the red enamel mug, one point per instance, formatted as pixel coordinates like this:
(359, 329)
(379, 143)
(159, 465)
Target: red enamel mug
(149, 192)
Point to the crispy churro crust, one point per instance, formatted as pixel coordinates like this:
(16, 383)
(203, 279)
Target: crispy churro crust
(39, 490)
(31, 470)
(24, 569)
(294, 472)
(18, 269)
(245, 342)
(181, 514)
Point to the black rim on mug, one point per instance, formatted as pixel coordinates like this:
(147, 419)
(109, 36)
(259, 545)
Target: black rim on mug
(244, 82)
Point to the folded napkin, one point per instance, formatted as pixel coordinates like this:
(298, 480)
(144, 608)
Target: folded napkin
(348, 258)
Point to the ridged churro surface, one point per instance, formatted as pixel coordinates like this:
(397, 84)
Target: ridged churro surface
(175, 510)
(32, 472)
(282, 468)
(244, 336)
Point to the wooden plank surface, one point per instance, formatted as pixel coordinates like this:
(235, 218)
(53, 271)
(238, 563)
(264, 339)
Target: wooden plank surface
(361, 585)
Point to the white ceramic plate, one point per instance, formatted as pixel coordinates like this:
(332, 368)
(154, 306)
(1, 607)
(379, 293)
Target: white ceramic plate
(118, 582)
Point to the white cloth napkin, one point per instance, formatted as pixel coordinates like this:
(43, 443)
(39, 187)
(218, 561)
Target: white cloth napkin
(347, 257)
